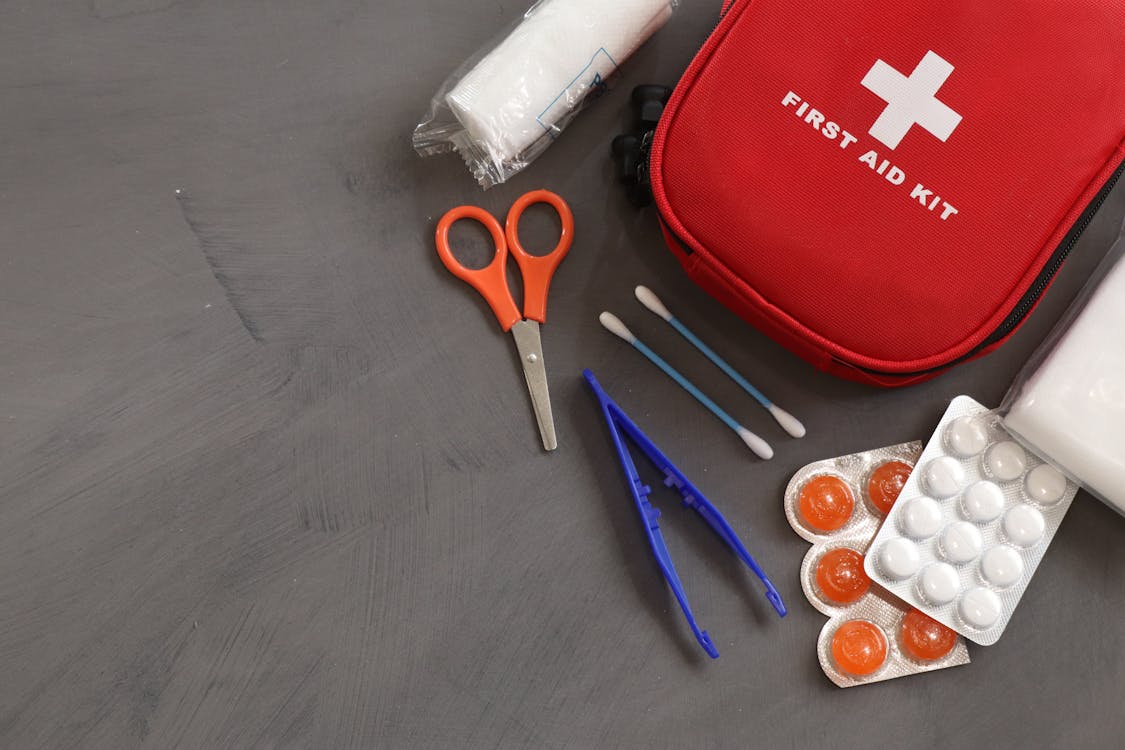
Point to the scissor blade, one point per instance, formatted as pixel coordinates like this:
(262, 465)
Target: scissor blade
(526, 333)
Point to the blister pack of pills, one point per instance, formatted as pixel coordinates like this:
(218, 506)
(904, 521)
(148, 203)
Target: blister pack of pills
(971, 525)
(871, 635)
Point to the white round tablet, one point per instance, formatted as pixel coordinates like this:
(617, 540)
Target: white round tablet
(982, 502)
(899, 559)
(1024, 525)
(966, 437)
(1005, 461)
(960, 542)
(944, 477)
(939, 583)
(1045, 485)
(920, 518)
(1001, 566)
(979, 608)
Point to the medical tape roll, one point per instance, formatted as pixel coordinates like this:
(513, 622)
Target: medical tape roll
(546, 66)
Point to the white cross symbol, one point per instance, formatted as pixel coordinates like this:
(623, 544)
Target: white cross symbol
(911, 100)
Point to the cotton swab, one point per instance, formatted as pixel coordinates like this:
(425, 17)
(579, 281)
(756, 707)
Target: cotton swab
(614, 325)
(788, 422)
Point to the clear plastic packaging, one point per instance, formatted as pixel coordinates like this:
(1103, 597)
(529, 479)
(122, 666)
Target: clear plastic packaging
(1068, 402)
(971, 524)
(503, 107)
(870, 636)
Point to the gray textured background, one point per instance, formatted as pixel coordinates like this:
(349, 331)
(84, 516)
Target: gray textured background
(269, 476)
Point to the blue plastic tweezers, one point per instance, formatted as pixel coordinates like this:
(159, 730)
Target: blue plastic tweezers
(619, 424)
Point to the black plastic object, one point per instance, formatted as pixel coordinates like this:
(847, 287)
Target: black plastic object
(630, 151)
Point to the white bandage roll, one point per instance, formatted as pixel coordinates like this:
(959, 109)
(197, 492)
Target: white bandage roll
(1071, 410)
(559, 52)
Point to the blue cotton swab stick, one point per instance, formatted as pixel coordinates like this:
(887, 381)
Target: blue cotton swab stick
(788, 422)
(614, 325)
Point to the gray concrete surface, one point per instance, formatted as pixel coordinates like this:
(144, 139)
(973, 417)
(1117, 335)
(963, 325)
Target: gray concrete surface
(269, 476)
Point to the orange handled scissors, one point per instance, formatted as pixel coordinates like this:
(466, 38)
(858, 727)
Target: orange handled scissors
(492, 283)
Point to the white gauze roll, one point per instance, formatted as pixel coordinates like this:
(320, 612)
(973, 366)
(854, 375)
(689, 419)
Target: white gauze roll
(544, 68)
(1072, 409)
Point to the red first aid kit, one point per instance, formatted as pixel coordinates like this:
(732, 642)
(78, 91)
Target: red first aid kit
(888, 188)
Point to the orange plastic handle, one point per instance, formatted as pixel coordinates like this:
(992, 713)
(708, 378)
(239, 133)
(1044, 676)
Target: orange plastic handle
(491, 281)
(538, 270)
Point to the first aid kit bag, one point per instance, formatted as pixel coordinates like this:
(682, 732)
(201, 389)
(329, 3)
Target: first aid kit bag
(888, 188)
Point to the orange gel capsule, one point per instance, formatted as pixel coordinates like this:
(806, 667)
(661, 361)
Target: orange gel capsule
(826, 503)
(924, 638)
(840, 576)
(859, 648)
(886, 483)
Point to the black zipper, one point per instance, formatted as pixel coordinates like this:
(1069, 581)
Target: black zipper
(1034, 292)
(1026, 303)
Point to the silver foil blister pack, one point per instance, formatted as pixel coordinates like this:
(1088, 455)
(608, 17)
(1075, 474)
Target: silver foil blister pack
(971, 524)
(838, 505)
